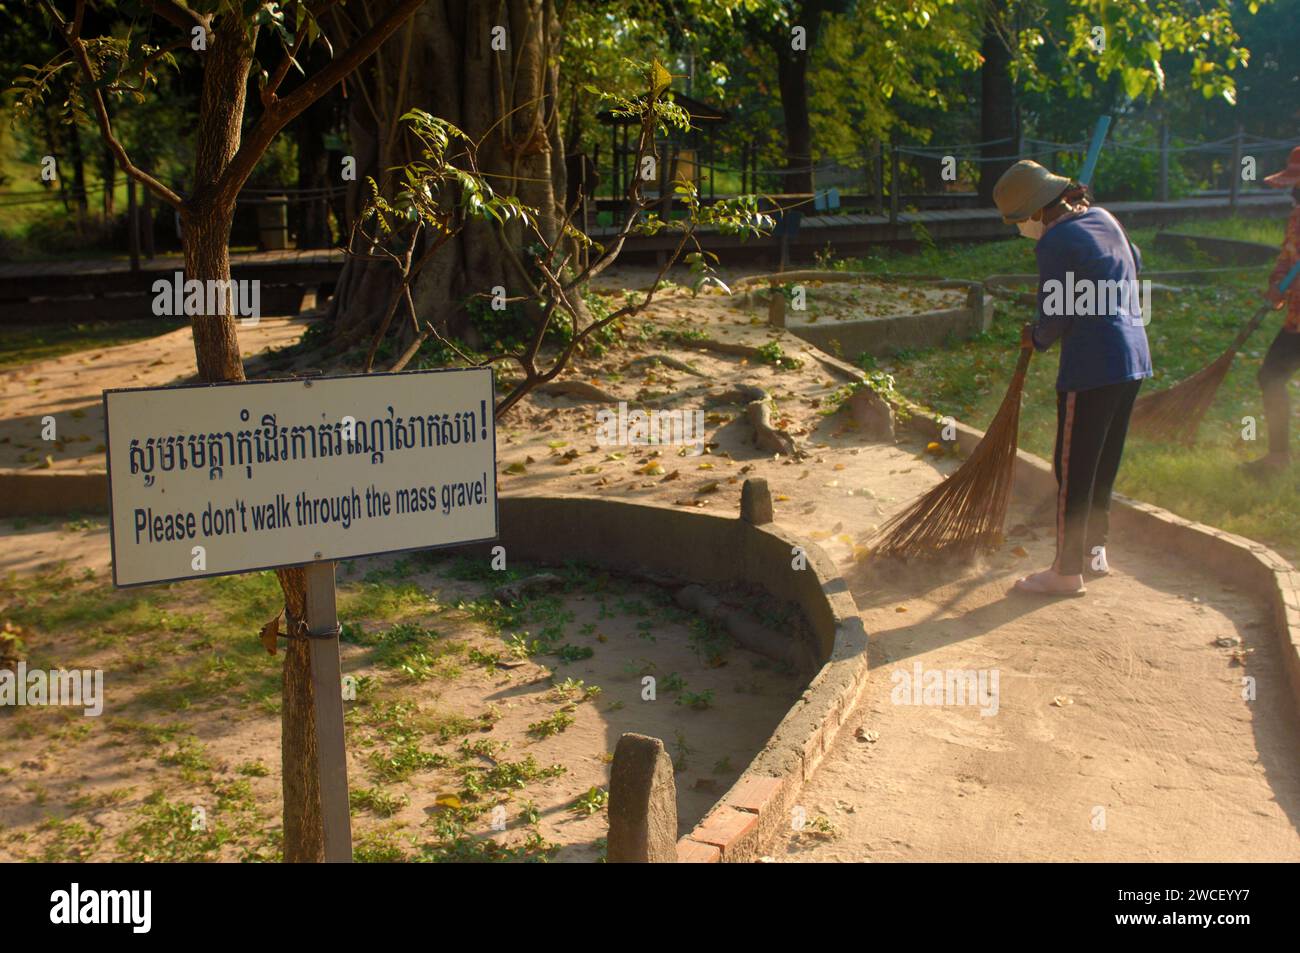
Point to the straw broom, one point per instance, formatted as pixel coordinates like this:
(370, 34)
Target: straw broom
(964, 514)
(1176, 412)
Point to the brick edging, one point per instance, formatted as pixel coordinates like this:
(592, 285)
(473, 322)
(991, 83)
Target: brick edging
(760, 802)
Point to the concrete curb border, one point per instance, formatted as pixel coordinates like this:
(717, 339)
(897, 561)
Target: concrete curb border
(51, 493)
(709, 548)
(1246, 563)
(879, 336)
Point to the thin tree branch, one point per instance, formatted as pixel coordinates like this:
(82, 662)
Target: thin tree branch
(290, 55)
(282, 111)
(72, 36)
(181, 16)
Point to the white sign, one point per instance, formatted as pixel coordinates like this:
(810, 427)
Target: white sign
(223, 478)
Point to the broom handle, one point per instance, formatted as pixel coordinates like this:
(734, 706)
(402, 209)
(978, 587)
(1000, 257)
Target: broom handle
(1022, 366)
(1250, 327)
(1094, 150)
(1258, 318)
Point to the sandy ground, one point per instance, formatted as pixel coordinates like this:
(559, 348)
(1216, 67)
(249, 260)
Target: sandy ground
(99, 771)
(70, 388)
(1121, 731)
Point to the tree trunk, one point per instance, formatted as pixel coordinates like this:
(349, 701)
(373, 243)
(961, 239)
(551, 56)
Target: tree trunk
(792, 74)
(78, 175)
(207, 257)
(207, 218)
(999, 115)
(792, 78)
(108, 171)
(304, 831)
(506, 99)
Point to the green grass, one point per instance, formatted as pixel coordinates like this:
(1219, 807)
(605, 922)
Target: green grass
(1267, 230)
(1188, 329)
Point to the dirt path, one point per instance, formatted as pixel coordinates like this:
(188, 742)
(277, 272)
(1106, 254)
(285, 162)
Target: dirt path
(1121, 732)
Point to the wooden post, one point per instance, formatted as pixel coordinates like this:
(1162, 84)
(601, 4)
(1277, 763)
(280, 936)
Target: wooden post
(132, 224)
(880, 177)
(327, 687)
(1234, 183)
(146, 225)
(1164, 161)
(776, 306)
(893, 185)
(614, 192)
(712, 161)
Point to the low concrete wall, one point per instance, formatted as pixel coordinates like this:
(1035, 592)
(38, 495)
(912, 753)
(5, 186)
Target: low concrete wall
(50, 493)
(707, 548)
(882, 335)
(887, 335)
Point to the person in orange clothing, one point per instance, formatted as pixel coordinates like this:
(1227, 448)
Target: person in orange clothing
(1283, 357)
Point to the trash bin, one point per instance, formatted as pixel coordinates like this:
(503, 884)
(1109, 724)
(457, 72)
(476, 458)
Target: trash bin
(273, 223)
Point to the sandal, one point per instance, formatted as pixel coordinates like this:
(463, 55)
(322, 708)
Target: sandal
(1035, 584)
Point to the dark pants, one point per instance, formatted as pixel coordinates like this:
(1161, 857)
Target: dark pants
(1280, 364)
(1090, 429)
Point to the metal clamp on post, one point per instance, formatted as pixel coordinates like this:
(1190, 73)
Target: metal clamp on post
(306, 633)
(333, 633)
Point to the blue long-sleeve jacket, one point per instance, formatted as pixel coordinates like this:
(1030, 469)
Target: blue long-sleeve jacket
(1089, 299)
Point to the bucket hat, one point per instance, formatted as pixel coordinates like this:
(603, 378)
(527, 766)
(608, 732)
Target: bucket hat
(1024, 189)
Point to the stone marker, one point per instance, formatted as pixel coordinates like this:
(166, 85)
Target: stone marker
(872, 414)
(642, 803)
(776, 308)
(755, 502)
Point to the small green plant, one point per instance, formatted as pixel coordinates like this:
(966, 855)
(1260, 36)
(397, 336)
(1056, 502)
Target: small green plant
(573, 689)
(531, 813)
(592, 801)
(574, 653)
(697, 700)
(772, 353)
(376, 801)
(682, 750)
(820, 827)
(553, 725)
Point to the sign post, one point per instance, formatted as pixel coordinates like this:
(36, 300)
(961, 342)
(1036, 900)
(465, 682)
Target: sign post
(327, 690)
(216, 479)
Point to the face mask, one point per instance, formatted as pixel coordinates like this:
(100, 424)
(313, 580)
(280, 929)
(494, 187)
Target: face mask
(1031, 229)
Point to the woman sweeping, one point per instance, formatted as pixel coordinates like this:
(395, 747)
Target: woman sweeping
(1082, 252)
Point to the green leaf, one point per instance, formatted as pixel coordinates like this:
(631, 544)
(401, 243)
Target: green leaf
(660, 79)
